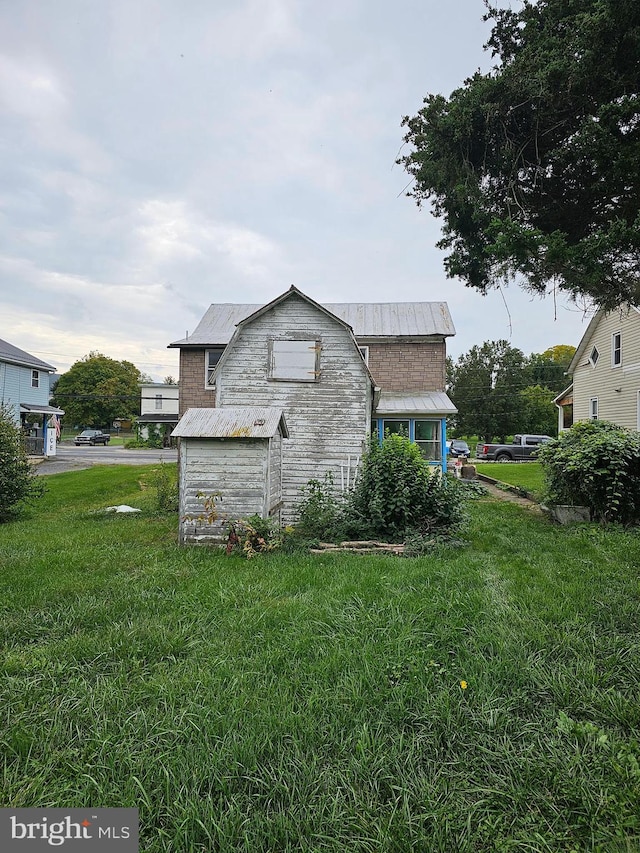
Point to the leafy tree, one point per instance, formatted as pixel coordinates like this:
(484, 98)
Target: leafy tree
(485, 387)
(96, 390)
(549, 368)
(18, 483)
(535, 166)
(540, 414)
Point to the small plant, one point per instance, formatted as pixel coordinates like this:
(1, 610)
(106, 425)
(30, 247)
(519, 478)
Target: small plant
(19, 485)
(320, 512)
(253, 535)
(166, 485)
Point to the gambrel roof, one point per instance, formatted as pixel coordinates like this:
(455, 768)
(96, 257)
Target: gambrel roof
(372, 320)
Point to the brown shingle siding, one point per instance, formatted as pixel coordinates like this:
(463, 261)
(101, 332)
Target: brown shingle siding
(193, 394)
(408, 366)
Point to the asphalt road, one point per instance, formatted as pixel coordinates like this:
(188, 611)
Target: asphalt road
(72, 458)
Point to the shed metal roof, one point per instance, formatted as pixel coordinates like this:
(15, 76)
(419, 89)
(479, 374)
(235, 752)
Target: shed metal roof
(414, 403)
(15, 355)
(367, 319)
(231, 422)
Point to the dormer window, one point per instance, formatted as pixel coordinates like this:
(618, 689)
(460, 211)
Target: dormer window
(593, 358)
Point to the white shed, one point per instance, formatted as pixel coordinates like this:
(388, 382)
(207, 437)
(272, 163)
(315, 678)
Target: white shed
(235, 454)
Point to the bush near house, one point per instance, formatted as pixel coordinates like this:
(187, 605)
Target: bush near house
(595, 464)
(18, 483)
(397, 495)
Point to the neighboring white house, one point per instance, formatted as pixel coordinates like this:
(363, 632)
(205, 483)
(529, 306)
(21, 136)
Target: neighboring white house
(605, 371)
(25, 390)
(158, 410)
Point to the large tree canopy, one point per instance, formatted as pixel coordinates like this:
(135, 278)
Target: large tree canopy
(535, 166)
(97, 389)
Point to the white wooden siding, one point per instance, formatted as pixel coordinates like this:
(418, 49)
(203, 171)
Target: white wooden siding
(235, 468)
(603, 380)
(329, 420)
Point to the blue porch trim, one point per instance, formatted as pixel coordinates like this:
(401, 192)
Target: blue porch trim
(412, 433)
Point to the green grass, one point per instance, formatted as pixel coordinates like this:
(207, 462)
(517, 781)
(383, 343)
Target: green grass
(306, 703)
(525, 475)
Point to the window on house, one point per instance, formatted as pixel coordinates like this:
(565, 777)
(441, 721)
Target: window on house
(400, 427)
(593, 408)
(616, 349)
(595, 355)
(211, 359)
(35, 378)
(365, 354)
(294, 360)
(427, 437)
(158, 401)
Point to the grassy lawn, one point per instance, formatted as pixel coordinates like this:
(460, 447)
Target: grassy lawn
(482, 699)
(526, 475)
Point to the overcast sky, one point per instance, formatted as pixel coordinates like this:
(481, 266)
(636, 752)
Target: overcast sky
(161, 155)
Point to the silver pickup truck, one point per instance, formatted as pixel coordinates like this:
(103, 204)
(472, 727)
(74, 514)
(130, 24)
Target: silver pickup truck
(523, 447)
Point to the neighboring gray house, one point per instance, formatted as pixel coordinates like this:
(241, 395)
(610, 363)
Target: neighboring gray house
(158, 411)
(605, 371)
(402, 343)
(25, 389)
(307, 361)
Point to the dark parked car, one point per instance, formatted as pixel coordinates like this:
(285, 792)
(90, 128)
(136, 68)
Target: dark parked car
(458, 448)
(92, 436)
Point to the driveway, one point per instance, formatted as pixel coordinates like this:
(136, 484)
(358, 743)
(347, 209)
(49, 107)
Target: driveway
(72, 458)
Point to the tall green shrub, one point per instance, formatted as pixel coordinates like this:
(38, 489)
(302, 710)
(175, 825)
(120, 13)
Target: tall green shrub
(398, 493)
(595, 464)
(18, 482)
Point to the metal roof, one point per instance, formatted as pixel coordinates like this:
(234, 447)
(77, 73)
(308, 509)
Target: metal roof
(367, 319)
(231, 422)
(38, 409)
(416, 403)
(14, 355)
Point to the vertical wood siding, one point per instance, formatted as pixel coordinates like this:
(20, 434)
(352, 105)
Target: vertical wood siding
(600, 381)
(328, 420)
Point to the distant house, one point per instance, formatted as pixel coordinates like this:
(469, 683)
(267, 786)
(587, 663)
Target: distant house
(25, 390)
(336, 372)
(605, 371)
(158, 411)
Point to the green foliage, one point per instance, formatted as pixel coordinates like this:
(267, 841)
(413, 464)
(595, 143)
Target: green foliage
(398, 493)
(485, 385)
(549, 368)
(253, 535)
(96, 390)
(595, 464)
(534, 167)
(165, 482)
(320, 511)
(540, 415)
(19, 485)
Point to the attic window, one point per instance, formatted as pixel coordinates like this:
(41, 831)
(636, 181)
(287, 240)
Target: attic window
(294, 360)
(593, 358)
(35, 378)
